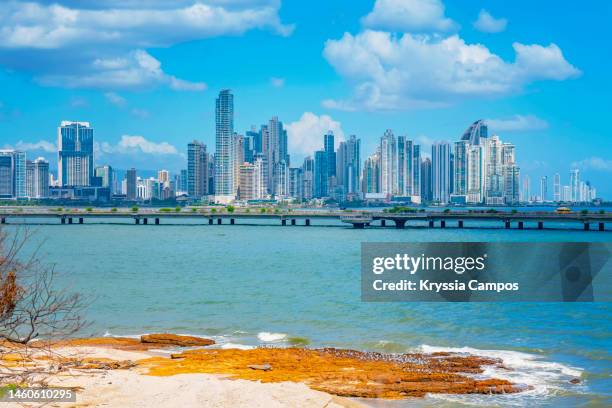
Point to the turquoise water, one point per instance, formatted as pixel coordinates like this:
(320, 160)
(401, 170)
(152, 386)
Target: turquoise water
(246, 285)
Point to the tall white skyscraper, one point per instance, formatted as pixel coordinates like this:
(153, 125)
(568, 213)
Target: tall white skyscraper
(575, 185)
(13, 174)
(494, 183)
(543, 188)
(224, 147)
(388, 163)
(557, 188)
(75, 153)
(440, 162)
(37, 178)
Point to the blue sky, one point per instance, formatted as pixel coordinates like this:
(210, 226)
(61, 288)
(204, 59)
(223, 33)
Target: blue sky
(146, 73)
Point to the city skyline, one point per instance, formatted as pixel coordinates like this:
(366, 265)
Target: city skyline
(551, 111)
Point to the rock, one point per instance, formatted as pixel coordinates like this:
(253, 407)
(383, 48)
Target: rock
(575, 381)
(175, 340)
(263, 367)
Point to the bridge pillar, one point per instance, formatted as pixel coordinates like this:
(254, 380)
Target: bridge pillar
(69, 220)
(307, 223)
(383, 223)
(3, 221)
(210, 221)
(602, 226)
(293, 221)
(431, 223)
(460, 224)
(283, 222)
(587, 226)
(219, 221)
(80, 220)
(145, 221)
(157, 221)
(442, 224)
(520, 225)
(358, 225)
(232, 221)
(400, 224)
(507, 224)
(540, 224)
(137, 221)
(63, 220)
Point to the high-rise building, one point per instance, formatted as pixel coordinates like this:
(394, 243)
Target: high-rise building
(575, 185)
(75, 153)
(328, 146)
(250, 138)
(543, 188)
(251, 181)
(321, 174)
(131, 184)
(295, 183)
(224, 153)
(388, 164)
(426, 182)
(557, 188)
(475, 133)
(526, 189)
(107, 177)
(308, 178)
(440, 166)
(348, 166)
(460, 179)
(512, 184)
(197, 170)
(238, 143)
(13, 174)
(372, 174)
(475, 174)
(37, 178)
(494, 178)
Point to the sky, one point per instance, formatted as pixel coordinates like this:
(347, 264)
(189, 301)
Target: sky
(146, 73)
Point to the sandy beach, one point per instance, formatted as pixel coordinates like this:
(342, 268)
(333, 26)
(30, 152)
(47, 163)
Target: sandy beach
(152, 371)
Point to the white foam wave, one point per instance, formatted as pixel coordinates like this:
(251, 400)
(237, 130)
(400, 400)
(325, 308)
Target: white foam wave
(545, 378)
(268, 337)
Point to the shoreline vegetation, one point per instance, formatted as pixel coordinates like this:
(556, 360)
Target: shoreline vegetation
(103, 369)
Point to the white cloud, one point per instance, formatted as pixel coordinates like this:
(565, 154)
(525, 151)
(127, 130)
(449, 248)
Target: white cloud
(138, 69)
(405, 71)
(594, 163)
(408, 15)
(489, 24)
(41, 145)
(115, 99)
(137, 144)
(99, 44)
(277, 82)
(33, 25)
(140, 113)
(517, 123)
(306, 134)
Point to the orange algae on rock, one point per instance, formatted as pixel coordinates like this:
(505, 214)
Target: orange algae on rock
(346, 373)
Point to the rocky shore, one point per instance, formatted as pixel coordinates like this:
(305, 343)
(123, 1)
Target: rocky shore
(285, 376)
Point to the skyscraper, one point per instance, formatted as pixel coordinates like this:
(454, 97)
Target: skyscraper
(494, 180)
(372, 174)
(238, 142)
(388, 164)
(426, 186)
(321, 174)
(557, 188)
(460, 168)
(224, 152)
(543, 188)
(440, 164)
(348, 168)
(75, 153)
(575, 185)
(107, 176)
(476, 132)
(308, 178)
(37, 178)
(197, 170)
(328, 145)
(13, 174)
(131, 184)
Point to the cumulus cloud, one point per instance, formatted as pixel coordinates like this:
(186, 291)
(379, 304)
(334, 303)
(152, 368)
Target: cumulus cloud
(277, 82)
(137, 144)
(408, 15)
(138, 69)
(110, 35)
(593, 163)
(403, 71)
(306, 134)
(41, 145)
(489, 24)
(517, 123)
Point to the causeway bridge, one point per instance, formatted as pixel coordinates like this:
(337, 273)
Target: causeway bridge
(358, 219)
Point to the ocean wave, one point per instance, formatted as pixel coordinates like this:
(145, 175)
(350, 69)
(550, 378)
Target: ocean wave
(268, 337)
(544, 378)
(236, 346)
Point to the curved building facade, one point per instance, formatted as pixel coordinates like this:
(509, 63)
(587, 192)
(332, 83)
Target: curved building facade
(475, 132)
